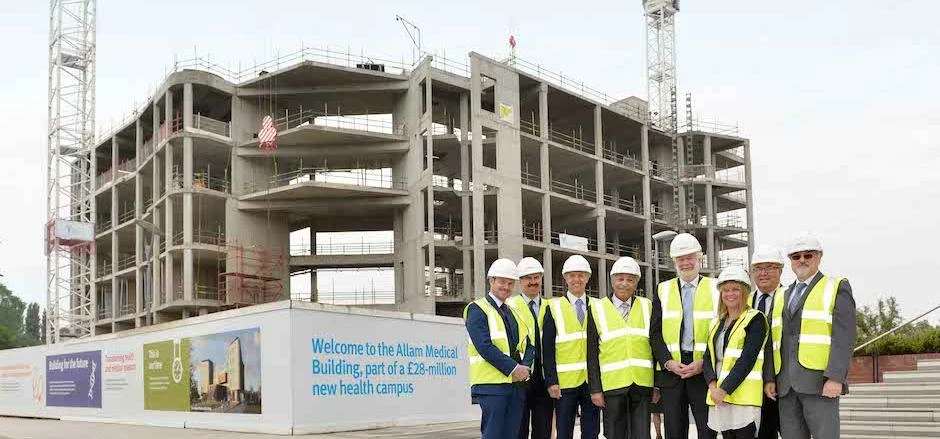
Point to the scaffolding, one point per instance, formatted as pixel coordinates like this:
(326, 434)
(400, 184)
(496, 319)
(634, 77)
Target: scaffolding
(253, 275)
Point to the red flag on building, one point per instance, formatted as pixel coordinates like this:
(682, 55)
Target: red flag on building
(267, 137)
(512, 41)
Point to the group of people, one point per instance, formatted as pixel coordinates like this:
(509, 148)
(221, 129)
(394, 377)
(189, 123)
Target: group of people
(749, 356)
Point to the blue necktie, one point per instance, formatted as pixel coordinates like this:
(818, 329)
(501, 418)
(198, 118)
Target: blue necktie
(579, 307)
(795, 298)
(688, 318)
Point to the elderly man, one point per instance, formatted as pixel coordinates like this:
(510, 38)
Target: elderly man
(687, 304)
(564, 353)
(815, 348)
(500, 354)
(531, 307)
(766, 269)
(619, 356)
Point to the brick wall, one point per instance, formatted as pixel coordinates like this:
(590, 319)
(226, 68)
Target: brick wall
(861, 370)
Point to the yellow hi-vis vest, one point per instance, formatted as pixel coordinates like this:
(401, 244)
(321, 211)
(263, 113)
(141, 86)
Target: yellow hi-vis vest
(705, 309)
(751, 390)
(570, 342)
(625, 354)
(776, 323)
(519, 304)
(816, 327)
(481, 371)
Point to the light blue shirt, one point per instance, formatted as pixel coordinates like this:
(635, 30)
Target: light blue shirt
(687, 291)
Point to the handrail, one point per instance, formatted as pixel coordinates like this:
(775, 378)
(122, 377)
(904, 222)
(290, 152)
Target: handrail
(891, 331)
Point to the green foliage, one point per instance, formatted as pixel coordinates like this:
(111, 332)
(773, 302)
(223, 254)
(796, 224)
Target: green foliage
(31, 331)
(7, 338)
(916, 338)
(11, 311)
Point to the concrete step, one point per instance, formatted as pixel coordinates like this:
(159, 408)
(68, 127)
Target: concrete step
(890, 415)
(929, 377)
(928, 365)
(893, 401)
(890, 429)
(895, 389)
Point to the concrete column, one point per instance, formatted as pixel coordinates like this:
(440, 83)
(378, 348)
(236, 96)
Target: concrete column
(601, 221)
(710, 218)
(168, 228)
(748, 183)
(466, 212)
(138, 229)
(476, 152)
(314, 292)
(188, 218)
(168, 110)
(647, 208)
(545, 175)
(427, 124)
(188, 105)
(156, 287)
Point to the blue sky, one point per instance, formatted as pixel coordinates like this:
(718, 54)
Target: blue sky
(840, 98)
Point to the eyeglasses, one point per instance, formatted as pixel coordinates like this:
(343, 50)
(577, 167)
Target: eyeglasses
(805, 256)
(766, 270)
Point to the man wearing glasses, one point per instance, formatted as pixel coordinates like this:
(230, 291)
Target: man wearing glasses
(815, 348)
(766, 268)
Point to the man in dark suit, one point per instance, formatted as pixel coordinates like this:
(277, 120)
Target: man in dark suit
(531, 307)
(499, 354)
(766, 268)
(564, 353)
(816, 346)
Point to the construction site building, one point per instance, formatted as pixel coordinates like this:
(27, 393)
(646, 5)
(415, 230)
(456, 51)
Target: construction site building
(461, 163)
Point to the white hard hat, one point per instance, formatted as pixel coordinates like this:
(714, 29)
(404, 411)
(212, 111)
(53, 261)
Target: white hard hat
(684, 244)
(767, 254)
(804, 242)
(529, 266)
(576, 263)
(503, 268)
(736, 274)
(625, 265)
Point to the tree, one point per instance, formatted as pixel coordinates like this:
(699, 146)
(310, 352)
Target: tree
(916, 338)
(873, 322)
(31, 324)
(11, 311)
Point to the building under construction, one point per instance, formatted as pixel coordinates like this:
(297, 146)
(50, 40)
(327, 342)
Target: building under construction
(459, 163)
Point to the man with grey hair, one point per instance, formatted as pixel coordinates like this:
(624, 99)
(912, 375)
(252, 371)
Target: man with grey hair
(818, 336)
(766, 268)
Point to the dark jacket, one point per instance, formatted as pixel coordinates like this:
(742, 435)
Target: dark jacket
(754, 334)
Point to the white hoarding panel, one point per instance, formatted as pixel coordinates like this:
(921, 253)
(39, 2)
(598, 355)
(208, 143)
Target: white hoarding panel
(364, 369)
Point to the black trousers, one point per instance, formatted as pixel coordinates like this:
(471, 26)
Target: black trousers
(742, 433)
(537, 412)
(566, 412)
(769, 420)
(676, 403)
(627, 414)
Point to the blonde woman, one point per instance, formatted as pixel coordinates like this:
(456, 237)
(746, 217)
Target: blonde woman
(734, 360)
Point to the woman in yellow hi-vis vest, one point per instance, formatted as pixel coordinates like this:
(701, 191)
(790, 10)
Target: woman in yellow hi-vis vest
(734, 360)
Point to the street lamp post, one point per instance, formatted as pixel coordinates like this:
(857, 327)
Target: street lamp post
(665, 235)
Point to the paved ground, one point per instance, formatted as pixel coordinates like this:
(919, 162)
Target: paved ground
(21, 428)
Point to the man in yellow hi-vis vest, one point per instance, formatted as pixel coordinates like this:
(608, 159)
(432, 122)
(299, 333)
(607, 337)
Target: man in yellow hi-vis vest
(531, 307)
(766, 268)
(499, 354)
(687, 304)
(564, 353)
(816, 346)
(619, 356)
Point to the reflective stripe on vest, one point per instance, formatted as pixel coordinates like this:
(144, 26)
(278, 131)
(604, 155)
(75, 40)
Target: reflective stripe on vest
(776, 323)
(481, 371)
(751, 390)
(624, 353)
(816, 325)
(705, 307)
(570, 342)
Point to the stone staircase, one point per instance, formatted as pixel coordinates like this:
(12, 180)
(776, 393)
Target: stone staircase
(906, 404)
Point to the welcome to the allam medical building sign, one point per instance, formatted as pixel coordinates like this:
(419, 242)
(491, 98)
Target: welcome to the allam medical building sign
(279, 368)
